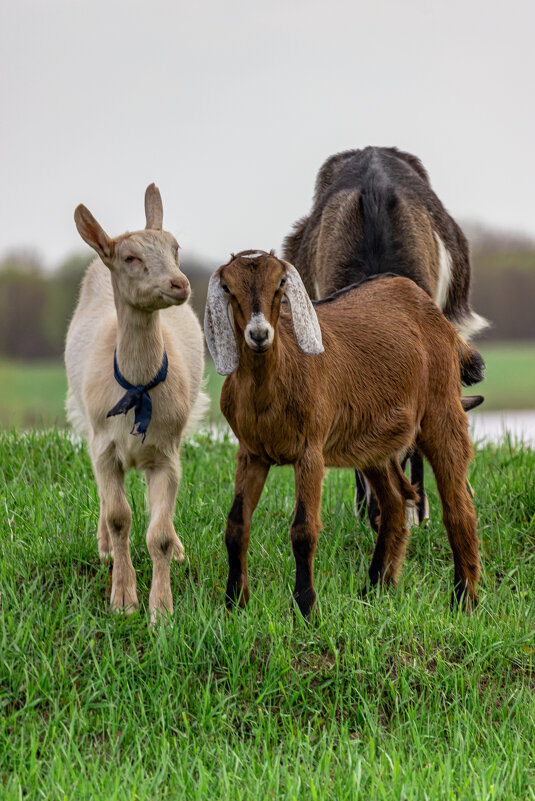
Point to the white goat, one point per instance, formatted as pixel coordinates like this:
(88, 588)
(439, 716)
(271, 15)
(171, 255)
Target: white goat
(132, 317)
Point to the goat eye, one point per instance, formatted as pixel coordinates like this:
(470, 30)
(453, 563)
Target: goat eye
(130, 259)
(283, 281)
(225, 289)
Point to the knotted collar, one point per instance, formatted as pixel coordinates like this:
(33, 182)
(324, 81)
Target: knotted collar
(138, 397)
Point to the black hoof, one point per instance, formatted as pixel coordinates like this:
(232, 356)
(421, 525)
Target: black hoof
(305, 602)
(460, 599)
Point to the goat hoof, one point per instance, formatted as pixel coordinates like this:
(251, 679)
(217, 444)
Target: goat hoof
(178, 551)
(236, 597)
(124, 597)
(105, 556)
(305, 602)
(461, 599)
(161, 615)
(126, 609)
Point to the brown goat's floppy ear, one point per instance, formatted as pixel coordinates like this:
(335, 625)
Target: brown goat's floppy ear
(92, 233)
(304, 320)
(218, 329)
(153, 208)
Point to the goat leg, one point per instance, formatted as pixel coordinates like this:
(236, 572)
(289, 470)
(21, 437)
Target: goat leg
(304, 531)
(117, 515)
(392, 490)
(417, 479)
(449, 456)
(162, 541)
(251, 474)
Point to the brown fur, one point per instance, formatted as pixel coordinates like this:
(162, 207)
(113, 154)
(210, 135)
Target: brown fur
(389, 378)
(373, 212)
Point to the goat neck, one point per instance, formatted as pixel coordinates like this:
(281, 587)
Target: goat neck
(260, 370)
(140, 344)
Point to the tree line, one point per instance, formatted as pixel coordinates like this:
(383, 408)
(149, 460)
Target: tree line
(36, 304)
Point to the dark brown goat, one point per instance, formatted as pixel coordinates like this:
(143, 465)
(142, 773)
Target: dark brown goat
(352, 381)
(374, 212)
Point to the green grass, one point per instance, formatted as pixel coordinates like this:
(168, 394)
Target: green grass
(510, 376)
(394, 697)
(33, 394)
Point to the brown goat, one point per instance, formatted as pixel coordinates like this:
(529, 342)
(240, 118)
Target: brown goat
(376, 370)
(374, 211)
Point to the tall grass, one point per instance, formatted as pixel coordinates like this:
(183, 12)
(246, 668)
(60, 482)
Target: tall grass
(394, 697)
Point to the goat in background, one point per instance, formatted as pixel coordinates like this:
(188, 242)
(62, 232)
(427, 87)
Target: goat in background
(132, 329)
(374, 212)
(352, 381)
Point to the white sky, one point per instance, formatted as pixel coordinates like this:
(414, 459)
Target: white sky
(232, 106)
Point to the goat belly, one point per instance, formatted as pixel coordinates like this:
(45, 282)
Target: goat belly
(359, 445)
(275, 446)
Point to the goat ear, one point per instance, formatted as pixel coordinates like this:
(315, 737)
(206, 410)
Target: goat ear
(218, 330)
(153, 208)
(304, 320)
(92, 233)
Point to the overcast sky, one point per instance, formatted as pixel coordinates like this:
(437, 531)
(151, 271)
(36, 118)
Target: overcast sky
(231, 107)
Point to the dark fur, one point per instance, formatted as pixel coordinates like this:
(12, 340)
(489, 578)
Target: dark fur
(374, 213)
(389, 378)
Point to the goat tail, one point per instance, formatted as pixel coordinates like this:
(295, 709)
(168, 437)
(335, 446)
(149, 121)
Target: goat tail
(471, 363)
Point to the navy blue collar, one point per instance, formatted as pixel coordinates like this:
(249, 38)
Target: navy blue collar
(138, 397)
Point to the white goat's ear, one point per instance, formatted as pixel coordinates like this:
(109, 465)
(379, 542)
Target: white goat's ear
(92, 233)
(153, 208)
(218, 330)
(304, 320)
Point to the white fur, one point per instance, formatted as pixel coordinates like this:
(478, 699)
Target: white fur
(219, 328)
(468, 326)
(259, 325)
(444, 272)
(471, 325)
(252, 256)
(125, 310)
(304, 318)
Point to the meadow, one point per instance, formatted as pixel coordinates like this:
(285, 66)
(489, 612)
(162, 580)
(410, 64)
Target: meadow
(391, 697)
(33, 394)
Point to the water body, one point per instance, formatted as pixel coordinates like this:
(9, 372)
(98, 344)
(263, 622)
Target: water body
(494, 426)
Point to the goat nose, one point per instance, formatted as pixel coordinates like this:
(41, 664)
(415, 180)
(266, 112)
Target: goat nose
(259, 335)
(181, 286)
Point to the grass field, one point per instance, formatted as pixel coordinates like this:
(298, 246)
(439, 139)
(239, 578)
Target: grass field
(395, 697)
(33, 394)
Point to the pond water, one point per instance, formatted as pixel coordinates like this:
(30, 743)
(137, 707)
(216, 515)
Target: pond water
(494, 426)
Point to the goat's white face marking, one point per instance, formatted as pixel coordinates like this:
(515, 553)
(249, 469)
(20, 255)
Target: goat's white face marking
(444, 273)
(252, 256)
(259, 333)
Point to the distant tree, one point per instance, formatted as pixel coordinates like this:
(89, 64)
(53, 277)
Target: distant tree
(62, 293)
(504, 281)
(36, 305)
(22, 307)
